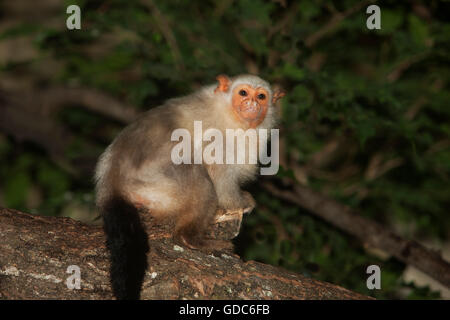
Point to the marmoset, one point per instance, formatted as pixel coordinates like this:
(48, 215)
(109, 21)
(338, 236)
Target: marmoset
(138, 171)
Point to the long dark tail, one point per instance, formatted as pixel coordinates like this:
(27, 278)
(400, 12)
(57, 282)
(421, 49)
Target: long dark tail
(127, 243)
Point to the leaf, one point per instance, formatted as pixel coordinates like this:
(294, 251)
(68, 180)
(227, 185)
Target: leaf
(419, 30)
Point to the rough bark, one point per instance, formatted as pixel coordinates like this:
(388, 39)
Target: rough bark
(35, 252)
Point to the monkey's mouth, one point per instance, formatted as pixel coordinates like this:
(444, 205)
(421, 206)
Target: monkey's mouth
(250, 110)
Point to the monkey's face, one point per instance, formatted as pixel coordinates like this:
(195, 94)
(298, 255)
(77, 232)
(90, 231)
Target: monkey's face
(250, 104)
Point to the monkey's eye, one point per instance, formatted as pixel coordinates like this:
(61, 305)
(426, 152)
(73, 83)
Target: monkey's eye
(243, 93)
(261, 96)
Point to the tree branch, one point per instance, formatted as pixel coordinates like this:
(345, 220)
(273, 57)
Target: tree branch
(35, 252)
(367, 231)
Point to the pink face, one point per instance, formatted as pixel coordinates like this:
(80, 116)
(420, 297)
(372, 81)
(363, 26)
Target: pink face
(249, 104)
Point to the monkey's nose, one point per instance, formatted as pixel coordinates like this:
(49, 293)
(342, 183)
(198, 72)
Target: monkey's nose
(251, 105)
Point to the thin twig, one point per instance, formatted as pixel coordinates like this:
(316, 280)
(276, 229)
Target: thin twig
(164, 27)
(56, 97)
(334, 22)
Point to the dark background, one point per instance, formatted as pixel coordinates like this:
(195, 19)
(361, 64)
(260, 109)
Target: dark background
(365, 120)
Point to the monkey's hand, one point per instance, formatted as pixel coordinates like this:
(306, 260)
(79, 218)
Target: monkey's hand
(228, 221)
(243, 203)
(249, 202)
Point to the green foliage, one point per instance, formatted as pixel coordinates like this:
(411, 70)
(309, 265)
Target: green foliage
(380, 96)
(31, 182)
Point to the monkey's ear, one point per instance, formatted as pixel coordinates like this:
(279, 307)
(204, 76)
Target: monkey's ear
(277, 95)
(224, 83)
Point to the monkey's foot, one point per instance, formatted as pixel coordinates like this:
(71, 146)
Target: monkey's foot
(207, 245)
(184, 242)
(217, 246)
